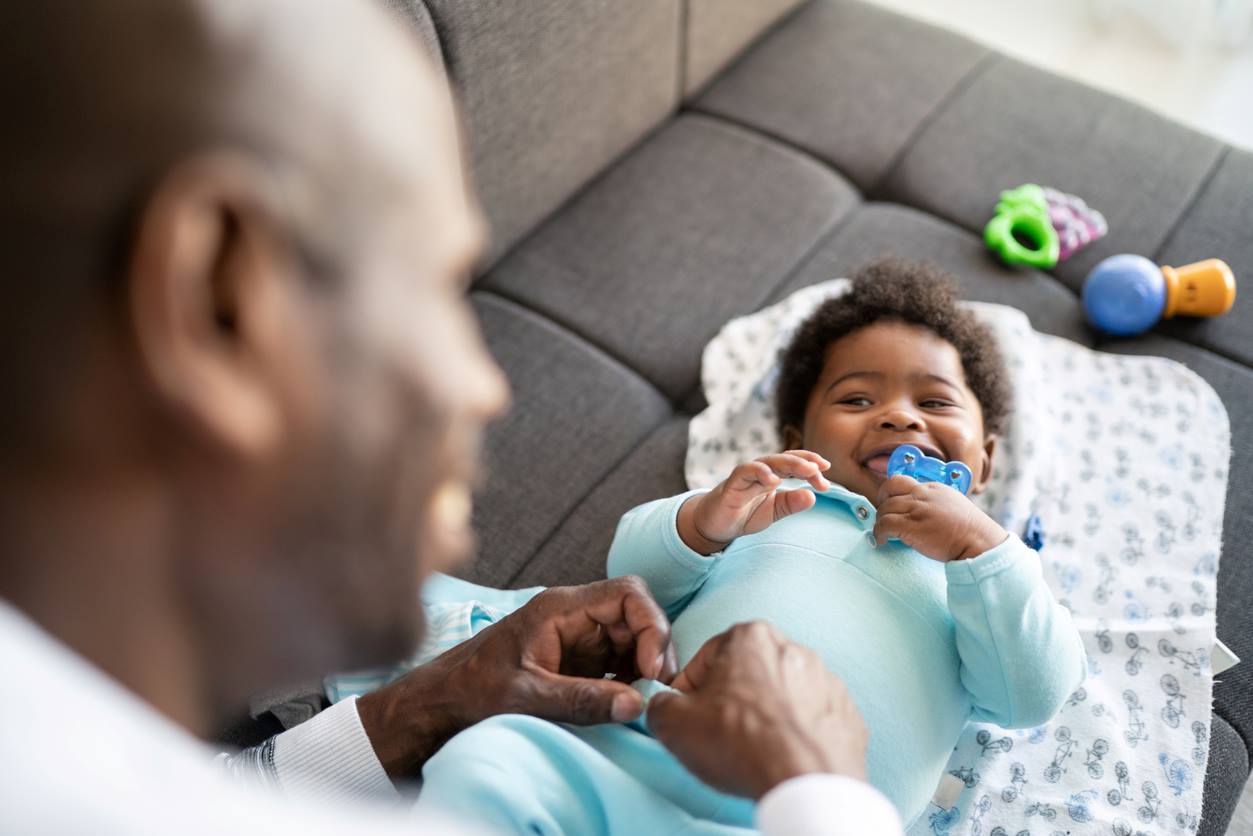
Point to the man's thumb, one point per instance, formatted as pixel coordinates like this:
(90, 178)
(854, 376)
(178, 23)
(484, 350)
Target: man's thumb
(668, 710)
(586, 702)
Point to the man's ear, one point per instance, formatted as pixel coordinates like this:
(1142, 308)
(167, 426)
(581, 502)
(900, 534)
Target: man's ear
(206, 301)
(793, 438)
(985, 470)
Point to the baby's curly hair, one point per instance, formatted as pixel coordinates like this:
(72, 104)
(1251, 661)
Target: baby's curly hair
(894, 289)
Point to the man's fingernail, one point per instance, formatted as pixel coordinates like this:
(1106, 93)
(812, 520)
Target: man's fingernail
(659, 666)
(625, 707)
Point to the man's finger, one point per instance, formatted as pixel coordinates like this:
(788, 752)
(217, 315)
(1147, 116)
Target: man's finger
(668, 711)
(628, 601)
(584, 702)
(694, 674)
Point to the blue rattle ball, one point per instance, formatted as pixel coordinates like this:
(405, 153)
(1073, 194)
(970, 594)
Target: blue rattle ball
(1124, 295)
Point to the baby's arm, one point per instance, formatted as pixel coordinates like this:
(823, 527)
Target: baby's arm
(668, 542)
(1021, 655)
(647, 543)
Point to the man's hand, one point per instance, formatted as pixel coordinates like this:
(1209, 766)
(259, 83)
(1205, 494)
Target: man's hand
(548, 659)
(747, 501)
(757, 710)
(934, 519)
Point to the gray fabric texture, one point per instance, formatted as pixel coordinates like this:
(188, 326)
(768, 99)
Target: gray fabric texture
(575, 413)
(1013, 124)
(718, 30)
(1233, 691)
(414, 14)
(697, 226)
(847, 82)
(878, 229)
(1219, 225)
(552, 92)
(1224, 778)
(577, 552)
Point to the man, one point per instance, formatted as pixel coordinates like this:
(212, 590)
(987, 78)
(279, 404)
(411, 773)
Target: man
(245, 398)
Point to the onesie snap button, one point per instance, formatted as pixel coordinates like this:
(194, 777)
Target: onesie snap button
(862, 513)
(870, 538)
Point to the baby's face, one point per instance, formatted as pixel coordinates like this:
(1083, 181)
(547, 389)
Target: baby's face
(890, 384)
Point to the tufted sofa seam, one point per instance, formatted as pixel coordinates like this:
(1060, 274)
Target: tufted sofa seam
(577, 506)
(1202, 186)
(983, 65)
(583, 340)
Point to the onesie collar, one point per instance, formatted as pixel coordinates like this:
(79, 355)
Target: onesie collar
(862, 509)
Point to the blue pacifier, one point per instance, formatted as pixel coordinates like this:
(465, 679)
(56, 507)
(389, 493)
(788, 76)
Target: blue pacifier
(911, 461)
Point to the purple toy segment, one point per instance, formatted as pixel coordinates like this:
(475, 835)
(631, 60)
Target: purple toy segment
(1077, 224)
(910, 461)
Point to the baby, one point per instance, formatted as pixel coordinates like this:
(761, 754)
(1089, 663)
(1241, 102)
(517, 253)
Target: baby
(931, 612)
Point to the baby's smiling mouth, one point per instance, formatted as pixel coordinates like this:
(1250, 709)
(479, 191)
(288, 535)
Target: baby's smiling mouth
(876, 461)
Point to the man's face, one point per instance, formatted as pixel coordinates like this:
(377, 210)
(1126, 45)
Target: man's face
(400, 385)
(885, 385)
(412, 390)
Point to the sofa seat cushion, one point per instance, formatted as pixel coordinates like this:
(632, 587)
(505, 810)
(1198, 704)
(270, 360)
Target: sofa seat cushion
(575, 413)
(577, 551)
(878, 229)
(1014, 124)
(1219, 224)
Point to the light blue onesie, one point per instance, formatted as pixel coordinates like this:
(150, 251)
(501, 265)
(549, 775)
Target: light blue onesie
(923, 646)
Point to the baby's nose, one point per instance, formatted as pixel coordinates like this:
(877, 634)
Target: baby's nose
(900, 419)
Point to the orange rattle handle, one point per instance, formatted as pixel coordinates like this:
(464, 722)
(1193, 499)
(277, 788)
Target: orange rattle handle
(1203, 288)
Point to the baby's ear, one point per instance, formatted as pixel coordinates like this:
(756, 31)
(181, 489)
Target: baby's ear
(793, 439)
(985, 471)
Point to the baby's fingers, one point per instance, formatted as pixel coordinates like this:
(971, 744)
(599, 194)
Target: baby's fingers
(793, 466)
(755, 476)
(822, 463)
(896, 486)
(887, 526)
(893, 518)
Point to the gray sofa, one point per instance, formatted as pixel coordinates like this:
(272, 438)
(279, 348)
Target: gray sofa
(653, 168)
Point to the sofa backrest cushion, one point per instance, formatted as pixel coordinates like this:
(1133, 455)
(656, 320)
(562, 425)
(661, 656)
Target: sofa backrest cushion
(553, 91)
(719, 30)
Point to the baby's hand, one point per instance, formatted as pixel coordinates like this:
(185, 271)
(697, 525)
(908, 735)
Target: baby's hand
(747, 501)
(934, 519)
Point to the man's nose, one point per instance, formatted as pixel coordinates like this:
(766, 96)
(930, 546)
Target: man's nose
(900, 419)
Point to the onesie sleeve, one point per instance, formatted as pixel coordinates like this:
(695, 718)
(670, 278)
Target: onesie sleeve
(1021, 655)
(647, 544)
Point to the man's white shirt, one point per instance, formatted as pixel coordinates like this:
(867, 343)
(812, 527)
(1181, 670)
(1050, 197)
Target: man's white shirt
(84, 755)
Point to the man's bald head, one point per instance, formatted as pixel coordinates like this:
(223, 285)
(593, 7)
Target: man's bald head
(235, 234)
(104, 97)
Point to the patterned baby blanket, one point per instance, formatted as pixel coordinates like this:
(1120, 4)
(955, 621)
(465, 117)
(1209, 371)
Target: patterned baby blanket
(1124, 461)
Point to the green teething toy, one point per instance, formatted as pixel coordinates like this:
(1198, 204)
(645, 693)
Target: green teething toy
(1021, 231)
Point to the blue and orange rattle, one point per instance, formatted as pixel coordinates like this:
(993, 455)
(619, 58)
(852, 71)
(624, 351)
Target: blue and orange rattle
(910, 461)
(1128, 294)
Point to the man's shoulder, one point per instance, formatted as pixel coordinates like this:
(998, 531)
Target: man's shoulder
(83, 755)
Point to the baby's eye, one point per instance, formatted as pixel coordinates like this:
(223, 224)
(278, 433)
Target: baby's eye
(856, 400)
(935, 403)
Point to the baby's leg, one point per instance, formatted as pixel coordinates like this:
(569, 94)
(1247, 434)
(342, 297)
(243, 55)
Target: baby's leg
(516, 774)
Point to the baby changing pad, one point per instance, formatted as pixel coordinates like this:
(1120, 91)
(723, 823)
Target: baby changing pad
(1124, 461)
